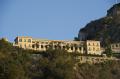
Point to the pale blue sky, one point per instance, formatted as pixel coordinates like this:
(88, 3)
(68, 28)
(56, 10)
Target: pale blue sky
(49, 19)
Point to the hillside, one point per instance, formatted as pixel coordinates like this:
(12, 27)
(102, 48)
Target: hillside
(103, 29)
(16, 63)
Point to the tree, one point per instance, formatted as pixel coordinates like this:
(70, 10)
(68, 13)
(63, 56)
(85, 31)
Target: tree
(76, 39)
(11, 66)
(108, 51)
(54, 64)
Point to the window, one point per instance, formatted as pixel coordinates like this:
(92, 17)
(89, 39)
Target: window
(81, 58)
(59, 47)
(67, 48)
(24, 40)
(37, 45)
(79, 48)
(42, 42)
(20, 40)
(29, 40)
(55, 46)
(76, 48)
(112, 46)
(71, 48)
(33, 42)
(33, 46)
(89, 49)
(63, 47)
(89, 44)
(29, 45)
(116, 45)
(84, 49)
(41, 46)
(97, 44)
(46, 46)
(46, 42)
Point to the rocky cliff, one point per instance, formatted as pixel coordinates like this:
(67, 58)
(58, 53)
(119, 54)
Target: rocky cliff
(103, 29)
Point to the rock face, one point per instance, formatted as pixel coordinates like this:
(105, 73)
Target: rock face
(103, 29)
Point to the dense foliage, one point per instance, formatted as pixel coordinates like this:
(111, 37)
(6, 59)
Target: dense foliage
(13, 61)
(106, 70)
(16, 63)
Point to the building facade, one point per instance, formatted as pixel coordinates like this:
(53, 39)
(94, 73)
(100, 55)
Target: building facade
(83, 47)
(93, 47)
(23, 42)
(115, 47)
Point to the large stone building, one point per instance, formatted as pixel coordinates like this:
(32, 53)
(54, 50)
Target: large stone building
(83, 47)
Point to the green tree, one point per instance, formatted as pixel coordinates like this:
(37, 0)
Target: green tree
(108, 51)
(11, 66)
(54, 64)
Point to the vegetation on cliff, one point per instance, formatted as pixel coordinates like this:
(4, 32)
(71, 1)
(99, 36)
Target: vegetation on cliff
(106, 28)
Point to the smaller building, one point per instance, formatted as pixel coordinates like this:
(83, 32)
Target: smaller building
(24, 42)
(93, 47)
(115, 47)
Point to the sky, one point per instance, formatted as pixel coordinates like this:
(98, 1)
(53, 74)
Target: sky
(49, 19)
